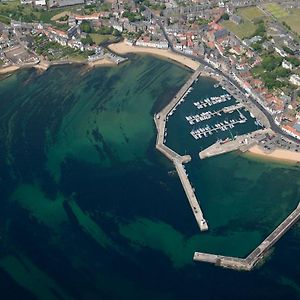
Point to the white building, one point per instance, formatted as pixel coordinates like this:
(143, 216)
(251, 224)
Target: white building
(159, 45)
(40, 3)
(287, 65)
(26, 1)
(295, 79)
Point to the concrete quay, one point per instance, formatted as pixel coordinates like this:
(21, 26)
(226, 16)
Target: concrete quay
(160, 120)
(248, 263)
(242, 143)
(232, 108)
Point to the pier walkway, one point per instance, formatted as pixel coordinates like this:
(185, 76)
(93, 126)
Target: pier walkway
(242, 143)
(248, 263)
(191, 196)
(160, 120)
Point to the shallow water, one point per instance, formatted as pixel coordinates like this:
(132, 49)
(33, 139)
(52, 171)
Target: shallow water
(91, 211)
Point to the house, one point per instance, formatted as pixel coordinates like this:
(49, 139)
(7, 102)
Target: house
(295, 79)
(280, 52)
(235, 19)
(62, 3)
(287, 65)
(220, 34)
(40, 3)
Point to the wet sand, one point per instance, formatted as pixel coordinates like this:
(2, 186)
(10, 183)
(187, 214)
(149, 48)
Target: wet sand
(278, 154)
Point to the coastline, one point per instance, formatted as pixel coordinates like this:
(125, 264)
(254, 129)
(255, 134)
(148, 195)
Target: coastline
(124, 48)
(43, 65)
(276, 155)
(9, 69)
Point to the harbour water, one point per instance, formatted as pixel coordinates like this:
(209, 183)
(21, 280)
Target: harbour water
(201, 115)
(90, 210)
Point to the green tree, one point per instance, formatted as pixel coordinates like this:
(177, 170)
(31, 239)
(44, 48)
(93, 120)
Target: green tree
(225, 17)
(85, 26)
(88, 40)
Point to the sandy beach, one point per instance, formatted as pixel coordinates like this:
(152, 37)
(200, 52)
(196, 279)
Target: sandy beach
(123, 48)
(9, 69)
(278, 154)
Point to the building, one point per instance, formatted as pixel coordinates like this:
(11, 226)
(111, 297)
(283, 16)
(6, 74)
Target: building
(295, 79)
(235, 19)
(40, 3)
(62, 3)
(287, 65)
(220, 34)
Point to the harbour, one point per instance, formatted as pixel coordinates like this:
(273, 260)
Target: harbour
(215, 115)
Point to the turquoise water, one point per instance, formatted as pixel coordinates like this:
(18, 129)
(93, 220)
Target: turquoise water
(89, 209)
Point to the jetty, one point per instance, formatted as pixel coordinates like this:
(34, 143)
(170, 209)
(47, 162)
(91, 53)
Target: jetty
(248, 263)
(242, 143)
(160, 120)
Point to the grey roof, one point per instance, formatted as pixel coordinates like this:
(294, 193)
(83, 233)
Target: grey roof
(221, 33)
(69, 2)
(297, 127)
(65, 2)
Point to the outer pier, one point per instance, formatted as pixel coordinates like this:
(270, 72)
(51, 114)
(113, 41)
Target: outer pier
(178, 160)
(248, 263)
(191, 196)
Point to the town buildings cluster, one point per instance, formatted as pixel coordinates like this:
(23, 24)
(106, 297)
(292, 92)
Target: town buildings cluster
(193, 27)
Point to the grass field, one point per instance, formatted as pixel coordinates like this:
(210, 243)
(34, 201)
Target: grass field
(59, 15)
(244, 30)
(5, 20)
(14, 10)
(276, 10)
(290, 17)
(293, 20)
(101, 38)
(250, 13)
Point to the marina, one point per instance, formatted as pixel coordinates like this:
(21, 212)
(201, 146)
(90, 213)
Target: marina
(218, 124)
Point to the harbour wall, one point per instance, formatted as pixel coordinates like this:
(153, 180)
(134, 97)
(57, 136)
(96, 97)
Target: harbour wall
(248, 263)
(160, 120)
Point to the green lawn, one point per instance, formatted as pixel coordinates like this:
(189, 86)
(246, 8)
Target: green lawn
(5, 20)
(293, 20)
(276, 10)
(250, 13)
(14, 10)
(244, 30)
(290, 17)
(101, 38)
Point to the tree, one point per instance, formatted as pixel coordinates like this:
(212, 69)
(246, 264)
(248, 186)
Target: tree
(117, 33)
(85, 26)
(225, 17)
(271, 62)
(87, 41)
